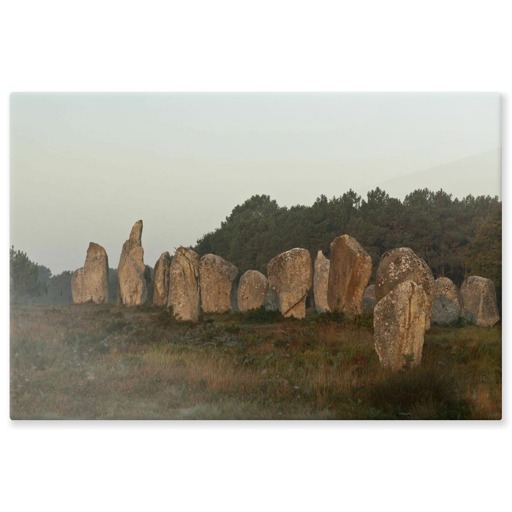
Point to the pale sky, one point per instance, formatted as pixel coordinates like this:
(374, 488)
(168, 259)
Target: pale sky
(85, 167)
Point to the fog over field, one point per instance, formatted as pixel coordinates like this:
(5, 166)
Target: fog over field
(85, 167)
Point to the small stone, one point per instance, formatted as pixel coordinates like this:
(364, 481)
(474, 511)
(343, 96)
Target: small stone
(446, 308)
(252, 290)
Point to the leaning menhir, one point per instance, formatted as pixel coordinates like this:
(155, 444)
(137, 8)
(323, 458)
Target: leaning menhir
(130, 272)
(320, 282)
(349, 273)
(290, 277)
(399, 326)
(252, 290)
(217, 281)
(184, 294)
(161, 280)
(479, 305)
(402, 264)
(90, 283)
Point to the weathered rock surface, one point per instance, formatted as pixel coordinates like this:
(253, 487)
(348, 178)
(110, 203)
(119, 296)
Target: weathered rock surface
(90, 283)
(349, 273)
(446, 308)
(130, 272)
(479, 305)
(184, 293)
(290, 276)
(403, 264)
(369, 299)
(252, 290)
(78, 292)
(399, 321)
(320, 282)
(217, 281)
(161, 280)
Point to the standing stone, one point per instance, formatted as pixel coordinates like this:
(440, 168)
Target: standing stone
(290, 276)
(399, 323)
(349, 273)
(402, 264)
(446, 309)
(252, 290)
(90, 283)
(271, 302)
(78, 292)
(184, 294)
(320, 282)
(130, 272)
(161, 280)
(217, 282)
(369, 299)
(479, 305)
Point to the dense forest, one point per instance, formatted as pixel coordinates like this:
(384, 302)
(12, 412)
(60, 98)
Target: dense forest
(456, 237)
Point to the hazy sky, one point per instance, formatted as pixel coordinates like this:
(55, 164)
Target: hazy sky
(85, 167)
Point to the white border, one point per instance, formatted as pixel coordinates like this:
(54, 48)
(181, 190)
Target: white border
(253, 46)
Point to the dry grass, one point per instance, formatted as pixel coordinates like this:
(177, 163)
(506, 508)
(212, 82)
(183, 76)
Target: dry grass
(95, 362)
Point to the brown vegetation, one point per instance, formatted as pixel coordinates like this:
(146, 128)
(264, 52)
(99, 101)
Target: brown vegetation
(108, 362)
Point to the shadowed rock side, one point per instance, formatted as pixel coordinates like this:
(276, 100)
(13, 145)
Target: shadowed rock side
(252, 290)
(399, 325)
(446, 308)
(184, 294)
(161, 280)
(369, 299)
(402, 264)
(217, 282)
(130, 272)
(290, 276)
(90, 283)
(349, 273)
(479, 306)
(320, 282)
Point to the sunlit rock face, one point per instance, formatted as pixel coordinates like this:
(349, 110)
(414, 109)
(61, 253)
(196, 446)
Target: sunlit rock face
(290, 276)
(320, 282)
(479, 305)
(446, 309)
(130, 272)
(161, 280)
(184, 292)
(252, 290)
(403, 264)
(399, 323)
(217, 282)
(90, 283)
(349, 273)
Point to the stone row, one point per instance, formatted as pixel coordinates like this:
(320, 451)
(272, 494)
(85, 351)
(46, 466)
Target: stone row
(189, 284)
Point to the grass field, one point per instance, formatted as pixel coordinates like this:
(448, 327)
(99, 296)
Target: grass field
(109, 362)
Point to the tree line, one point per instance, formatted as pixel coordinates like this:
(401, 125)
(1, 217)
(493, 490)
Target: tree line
(456, 237)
